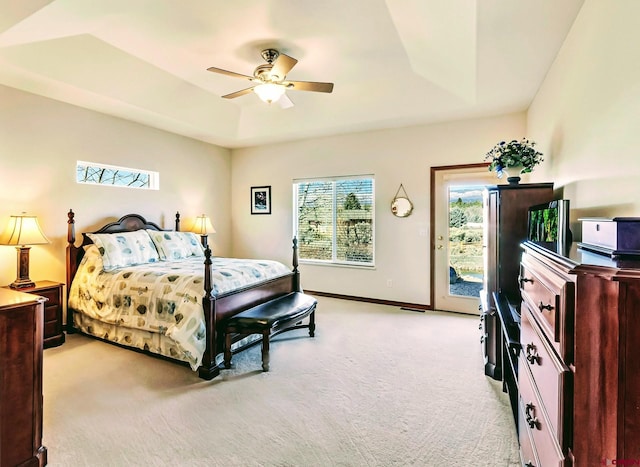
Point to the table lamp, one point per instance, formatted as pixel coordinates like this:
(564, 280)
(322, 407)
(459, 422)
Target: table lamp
(203, 227)
(22, 232)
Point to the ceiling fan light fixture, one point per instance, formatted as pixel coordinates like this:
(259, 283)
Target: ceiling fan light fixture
(269, 92)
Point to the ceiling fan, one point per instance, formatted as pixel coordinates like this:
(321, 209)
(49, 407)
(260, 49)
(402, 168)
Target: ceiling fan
(270, 79)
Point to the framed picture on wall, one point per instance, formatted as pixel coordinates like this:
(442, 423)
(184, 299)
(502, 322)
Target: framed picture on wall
(260, 200)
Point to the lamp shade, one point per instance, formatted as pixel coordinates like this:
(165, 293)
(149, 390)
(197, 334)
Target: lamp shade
(269, 92)
(23, 230)
(203, 226)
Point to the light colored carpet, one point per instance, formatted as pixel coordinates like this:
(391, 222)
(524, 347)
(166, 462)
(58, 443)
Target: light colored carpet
(377, 386)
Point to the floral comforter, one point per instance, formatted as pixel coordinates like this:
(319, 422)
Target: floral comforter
(162, 298)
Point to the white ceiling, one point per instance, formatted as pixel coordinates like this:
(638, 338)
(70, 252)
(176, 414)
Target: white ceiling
(394, 62)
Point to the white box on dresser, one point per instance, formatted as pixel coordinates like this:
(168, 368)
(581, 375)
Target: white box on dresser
(615, 236)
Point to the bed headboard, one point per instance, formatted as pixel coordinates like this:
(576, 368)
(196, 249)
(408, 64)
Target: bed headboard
(130, 223)
(127, 223)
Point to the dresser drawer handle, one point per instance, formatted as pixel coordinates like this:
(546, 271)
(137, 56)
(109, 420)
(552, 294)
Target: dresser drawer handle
(543, 307)
(530, 415)
(522, 280)
(532, 354)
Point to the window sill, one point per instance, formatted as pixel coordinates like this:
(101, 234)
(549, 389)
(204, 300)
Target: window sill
(339, 265)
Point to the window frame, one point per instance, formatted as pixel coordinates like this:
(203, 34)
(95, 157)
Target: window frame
(154, 177)
(334, 261)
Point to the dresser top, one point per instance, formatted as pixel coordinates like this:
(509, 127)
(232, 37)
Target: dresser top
(12, 298)
(573, 258)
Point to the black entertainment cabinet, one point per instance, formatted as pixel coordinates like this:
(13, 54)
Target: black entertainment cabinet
(509, 317)
(505, 219)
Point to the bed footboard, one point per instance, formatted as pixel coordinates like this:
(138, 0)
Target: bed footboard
(218, 309)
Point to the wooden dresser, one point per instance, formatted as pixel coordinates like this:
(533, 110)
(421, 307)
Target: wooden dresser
(21, 333)
(578, 370)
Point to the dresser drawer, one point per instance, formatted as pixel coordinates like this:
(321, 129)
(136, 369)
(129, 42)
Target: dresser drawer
(550, 298)
(533, 423)
(551, 377)
(528, 455)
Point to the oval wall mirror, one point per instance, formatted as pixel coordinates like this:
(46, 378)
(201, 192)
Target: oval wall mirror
(401, 207)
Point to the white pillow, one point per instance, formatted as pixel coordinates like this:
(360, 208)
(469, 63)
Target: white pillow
(193, 242)
(125, 249)
(176, 245)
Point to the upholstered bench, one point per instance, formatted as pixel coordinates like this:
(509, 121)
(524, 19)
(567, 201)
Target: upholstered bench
(279, 315)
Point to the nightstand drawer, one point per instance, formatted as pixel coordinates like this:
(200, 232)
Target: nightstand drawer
(53, 327)
(51, 294)
(51, 313)
(550, 375)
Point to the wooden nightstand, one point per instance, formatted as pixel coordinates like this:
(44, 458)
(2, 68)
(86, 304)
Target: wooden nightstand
(53, 328)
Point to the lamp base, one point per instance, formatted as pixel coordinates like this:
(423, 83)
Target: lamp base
(22, 284)
(22, 280)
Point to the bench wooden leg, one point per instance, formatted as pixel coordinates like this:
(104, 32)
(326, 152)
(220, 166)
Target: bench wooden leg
(227, 350)
(312, 323)
(265, 350)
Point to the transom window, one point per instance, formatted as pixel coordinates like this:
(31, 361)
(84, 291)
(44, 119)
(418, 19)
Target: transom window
(334, 219)
(102, 174)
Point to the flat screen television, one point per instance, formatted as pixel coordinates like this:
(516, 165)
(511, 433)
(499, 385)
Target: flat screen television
(548, 225)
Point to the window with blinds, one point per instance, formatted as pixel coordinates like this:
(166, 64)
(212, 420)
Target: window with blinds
(334, 220)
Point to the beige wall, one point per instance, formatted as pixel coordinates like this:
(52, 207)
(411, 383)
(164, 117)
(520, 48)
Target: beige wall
(586, 114)
(584, 119)
(40, 142)
(393, 157)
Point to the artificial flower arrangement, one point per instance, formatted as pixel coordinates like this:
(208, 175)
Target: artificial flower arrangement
(513, 154)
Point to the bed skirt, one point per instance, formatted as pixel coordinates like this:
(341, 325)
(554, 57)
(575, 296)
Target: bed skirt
(147, 341)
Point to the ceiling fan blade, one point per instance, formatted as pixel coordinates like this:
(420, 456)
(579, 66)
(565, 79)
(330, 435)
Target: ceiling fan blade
(238, 93)
(282, 66)
(309, 86)
(285, 102)
(229, 73)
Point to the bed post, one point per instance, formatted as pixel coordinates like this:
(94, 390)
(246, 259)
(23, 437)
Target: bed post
(71, 240)
(297, 287)
(177, 227)
(72, 262)
(209, 369)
